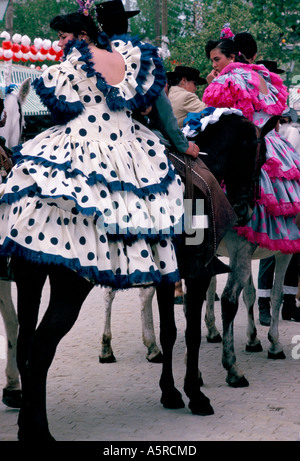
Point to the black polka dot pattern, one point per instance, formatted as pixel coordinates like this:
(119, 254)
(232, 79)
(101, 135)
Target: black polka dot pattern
(95, 193)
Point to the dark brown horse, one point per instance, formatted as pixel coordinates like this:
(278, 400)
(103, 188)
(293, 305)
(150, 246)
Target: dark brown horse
(232, 148)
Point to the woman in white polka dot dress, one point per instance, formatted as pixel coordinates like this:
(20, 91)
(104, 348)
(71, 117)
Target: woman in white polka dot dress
(92, 200)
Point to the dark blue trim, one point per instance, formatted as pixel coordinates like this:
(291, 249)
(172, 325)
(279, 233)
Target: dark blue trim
(92, 273)
(10, 88)
(113, 97)
(193, 119)
(86, 56)
(148, 52)
(142, 192)
(113, 231)
(62, 111)
(93, 178)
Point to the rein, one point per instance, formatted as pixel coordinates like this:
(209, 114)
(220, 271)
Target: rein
(189, 185)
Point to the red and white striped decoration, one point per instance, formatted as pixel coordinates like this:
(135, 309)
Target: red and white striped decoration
(19, 48)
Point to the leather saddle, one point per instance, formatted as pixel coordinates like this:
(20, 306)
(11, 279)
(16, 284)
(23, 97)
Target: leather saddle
(221, 216)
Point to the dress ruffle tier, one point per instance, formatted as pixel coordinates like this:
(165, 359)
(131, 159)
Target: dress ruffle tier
(96, 192)
(272, 224)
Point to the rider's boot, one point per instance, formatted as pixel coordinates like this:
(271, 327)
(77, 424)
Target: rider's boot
(290, 311)
(216, 266)
(264, 311)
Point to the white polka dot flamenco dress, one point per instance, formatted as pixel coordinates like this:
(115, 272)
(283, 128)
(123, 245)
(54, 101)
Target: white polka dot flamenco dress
(96, 192)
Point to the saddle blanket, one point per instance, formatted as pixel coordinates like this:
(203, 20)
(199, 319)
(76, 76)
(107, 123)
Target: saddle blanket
(198, 121)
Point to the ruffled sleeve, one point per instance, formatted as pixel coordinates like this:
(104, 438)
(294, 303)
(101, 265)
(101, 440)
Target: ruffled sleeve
(144, 79)
(54, 87)
(237, 86)
(275, 101)
(145, 75)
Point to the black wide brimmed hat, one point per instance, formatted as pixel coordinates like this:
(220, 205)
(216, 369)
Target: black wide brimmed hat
(109, 11)
(188, 72)
(271, 66)
(292, 113)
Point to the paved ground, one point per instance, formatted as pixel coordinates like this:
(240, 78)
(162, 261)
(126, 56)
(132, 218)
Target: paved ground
(89, 401)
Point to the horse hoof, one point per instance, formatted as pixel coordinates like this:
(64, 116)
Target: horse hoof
(256, 348)
(240, 382)
(12, 398)
(108, 359)
(278, 356)
(214, 339)
(201, 406)
(31, 436)
(172, 400)
(157, 359)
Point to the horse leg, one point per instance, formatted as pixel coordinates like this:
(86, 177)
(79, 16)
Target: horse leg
(196, 289)
(249, 294)
(30, 281)
(235, 377)
(11, 393)
(146, 296)
(240, 252)
(281, 263)
(298, 292)
(106, 353)
(298, 272)
(213, 335)
(68, 292)
(171, 397)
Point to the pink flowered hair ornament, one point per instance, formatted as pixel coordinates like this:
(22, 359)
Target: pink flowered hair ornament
(85, 6)
(88, 8)
(226, 32)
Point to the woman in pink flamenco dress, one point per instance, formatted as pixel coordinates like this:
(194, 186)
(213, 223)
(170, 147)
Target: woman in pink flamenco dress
(260, 94)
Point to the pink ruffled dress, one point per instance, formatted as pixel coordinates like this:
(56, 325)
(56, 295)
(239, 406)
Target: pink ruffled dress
(272, 224)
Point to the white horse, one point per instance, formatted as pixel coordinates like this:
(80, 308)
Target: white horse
(12, 129)
(240, 253)
(148, 332)
(12, 133)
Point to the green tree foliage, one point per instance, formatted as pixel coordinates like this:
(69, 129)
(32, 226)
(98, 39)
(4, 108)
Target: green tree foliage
(274, 24)
(32, 17)
(180, 19)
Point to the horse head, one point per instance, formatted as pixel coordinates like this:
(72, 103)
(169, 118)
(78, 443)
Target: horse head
(13, 103)
(24, 91)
